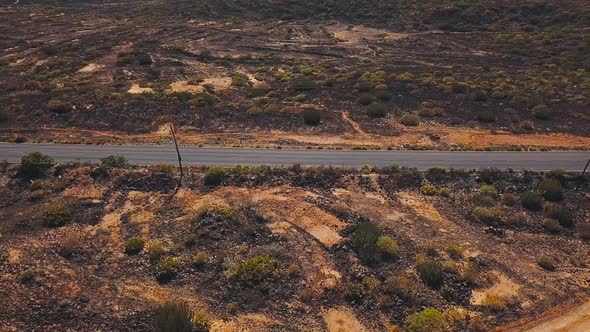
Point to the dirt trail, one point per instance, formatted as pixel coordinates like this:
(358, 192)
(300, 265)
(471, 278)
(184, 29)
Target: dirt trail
(575, 320)
(354, 124)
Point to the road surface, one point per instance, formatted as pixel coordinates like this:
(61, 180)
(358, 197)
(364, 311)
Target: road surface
(158, 154)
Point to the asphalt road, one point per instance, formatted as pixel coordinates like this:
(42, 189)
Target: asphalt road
(158, 154)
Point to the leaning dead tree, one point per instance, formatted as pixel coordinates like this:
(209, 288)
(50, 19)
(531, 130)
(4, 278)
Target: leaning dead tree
(179, 161)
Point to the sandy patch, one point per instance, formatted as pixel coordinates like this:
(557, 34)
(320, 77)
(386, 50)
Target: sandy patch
(244, 323)
(218, 83)
(184, 86)
(359, 33)
(90, 68)
(504, 288)
(342, 319)
(14, 256)
(419, 204)
(84, 192)
(156, 293)
(136, 89)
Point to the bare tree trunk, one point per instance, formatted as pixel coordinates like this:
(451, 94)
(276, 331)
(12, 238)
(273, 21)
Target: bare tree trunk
(179, 185)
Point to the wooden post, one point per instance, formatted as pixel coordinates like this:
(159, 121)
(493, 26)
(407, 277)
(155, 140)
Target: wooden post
(179, 161)
(585, 168)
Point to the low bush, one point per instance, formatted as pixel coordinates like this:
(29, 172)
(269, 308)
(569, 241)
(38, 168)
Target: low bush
(303, 85)
(444, 192)
(377, 110)
(387, 246)
(35, 165)
(114, 161)
(495, 302)
(509, 199)
(487, 216)
(365, 242)
(201, 258)
(384, 95)
(527, 125)
(517, 219)
(353, 292)
(257, 269)
(410, 120)
(560, 213)
(401, 286)
(489, 190)
(486, 117)
(155, 249)
(240, 80)
(174, 316)
(542, 112)
(168, 268)
(428, 189)
(71, 245)
(583, 230)
(214, 176)
(57, 215)
(531, 201)
(552, 226)
(134, 245)
(454, 251)
(201, 322)
(365, 100)
(430, 272)
(311, 116)
(547, 263)
(551, 190)
(427, 320)
(59, 106)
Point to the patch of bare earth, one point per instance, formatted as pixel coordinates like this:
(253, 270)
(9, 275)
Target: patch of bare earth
(342, 319)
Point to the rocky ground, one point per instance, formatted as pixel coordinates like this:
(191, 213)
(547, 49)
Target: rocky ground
(67, 259)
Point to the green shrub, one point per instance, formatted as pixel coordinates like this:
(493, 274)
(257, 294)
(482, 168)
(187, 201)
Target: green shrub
(387, 246)
(311, 116)
(489, 190)
(560, 213)
(365, 241)
(201, 322)
(384, 95)
(583, 230)
(201, 258)
(365, 100)
(487, 216)
(35, 165)
(363, 86)
(240, 80)
(27, 275)
(428, 189)
(59, 106)
(114, 161)
(547, 263)
(509, 199)
(134, 245)
(257, 269)
(401, 286)
(531, 201)
(214, 176)
(430, 272)
(174, 317)
(353, 292)
(551, 190)
(542, 112)
(454, 251)
(427, 320)
(444, 192)
(203, 99)
(168, 268)
(57, 215)
(377, 110)
(410, 120)
(155, 249)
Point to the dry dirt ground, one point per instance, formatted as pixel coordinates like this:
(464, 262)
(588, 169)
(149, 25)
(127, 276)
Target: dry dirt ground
(78, 276)
(511, 75)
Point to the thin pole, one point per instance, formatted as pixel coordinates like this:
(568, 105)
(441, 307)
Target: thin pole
(179, 161)
(585, 168)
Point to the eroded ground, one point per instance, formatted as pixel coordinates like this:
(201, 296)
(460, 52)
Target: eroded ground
(477, 75)
(79, 276)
